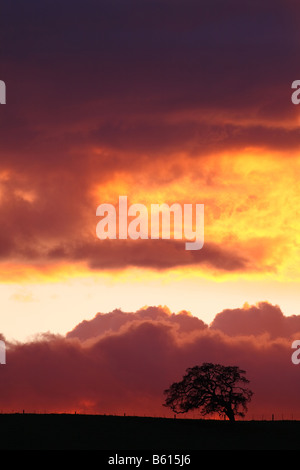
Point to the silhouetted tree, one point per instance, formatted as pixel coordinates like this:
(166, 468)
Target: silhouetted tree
(213, 388)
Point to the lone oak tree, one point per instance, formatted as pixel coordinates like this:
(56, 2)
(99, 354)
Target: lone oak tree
(213, 388)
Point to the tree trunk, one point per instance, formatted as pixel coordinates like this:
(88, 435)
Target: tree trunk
(230, 415)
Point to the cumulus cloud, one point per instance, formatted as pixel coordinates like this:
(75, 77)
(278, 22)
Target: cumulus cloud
(117, 321)
(121, 362)
(256, 320)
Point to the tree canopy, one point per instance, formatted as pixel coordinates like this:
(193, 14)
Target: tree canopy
(213, 388)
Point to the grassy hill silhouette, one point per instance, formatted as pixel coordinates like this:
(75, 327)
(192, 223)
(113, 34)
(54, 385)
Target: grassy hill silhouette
(120, 433)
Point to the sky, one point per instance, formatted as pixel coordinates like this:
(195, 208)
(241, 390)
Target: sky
(164, 101)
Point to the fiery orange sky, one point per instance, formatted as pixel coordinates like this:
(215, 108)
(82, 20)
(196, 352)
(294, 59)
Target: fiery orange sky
(164, 102)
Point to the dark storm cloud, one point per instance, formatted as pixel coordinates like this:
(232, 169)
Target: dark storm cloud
(142, 81)
(163, 55)
(155, 254)
(108, 73)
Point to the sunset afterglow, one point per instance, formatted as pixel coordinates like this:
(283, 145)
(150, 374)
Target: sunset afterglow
(170, 105)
